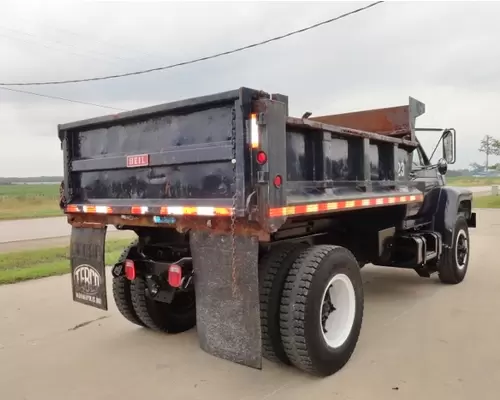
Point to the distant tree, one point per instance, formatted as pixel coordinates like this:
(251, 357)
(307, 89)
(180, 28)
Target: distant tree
(458, 172)
(475, 167)
(489, 146)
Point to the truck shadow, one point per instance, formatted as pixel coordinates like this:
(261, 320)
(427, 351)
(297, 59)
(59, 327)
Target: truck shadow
(388, 291)
(385, 284)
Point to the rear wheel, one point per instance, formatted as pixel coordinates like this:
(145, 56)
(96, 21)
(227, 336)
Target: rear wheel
(453, 266)
(273, 269)
(322, 309)
(121, 291)
(175, 317)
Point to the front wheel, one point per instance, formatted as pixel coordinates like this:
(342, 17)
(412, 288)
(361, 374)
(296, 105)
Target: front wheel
(322, 309)
(453, 266)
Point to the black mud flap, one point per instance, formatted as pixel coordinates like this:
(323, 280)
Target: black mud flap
(471, 222)
(88, 271)
(227, 298)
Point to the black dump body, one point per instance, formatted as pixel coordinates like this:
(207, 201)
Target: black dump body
(199, 157)
(232, 171)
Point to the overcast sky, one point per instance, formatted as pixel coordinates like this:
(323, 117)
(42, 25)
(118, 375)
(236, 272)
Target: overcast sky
(446, 54)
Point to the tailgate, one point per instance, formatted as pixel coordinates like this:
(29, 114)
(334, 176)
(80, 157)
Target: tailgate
(169, 156)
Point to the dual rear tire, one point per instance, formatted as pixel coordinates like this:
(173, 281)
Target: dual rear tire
(311, 306)
(311, 301)
(133, 303)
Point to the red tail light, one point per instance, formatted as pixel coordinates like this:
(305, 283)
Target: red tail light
(175, 275)
(130, 269)
(261, 157)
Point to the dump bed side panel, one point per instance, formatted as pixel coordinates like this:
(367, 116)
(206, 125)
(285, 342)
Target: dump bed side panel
(327, 168)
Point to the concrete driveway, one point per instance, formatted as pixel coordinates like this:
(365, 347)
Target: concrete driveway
(420, 340)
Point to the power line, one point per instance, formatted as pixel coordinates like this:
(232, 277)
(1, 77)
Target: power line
(39, 42)
(108, 43)
(62, 98)
(196, 60)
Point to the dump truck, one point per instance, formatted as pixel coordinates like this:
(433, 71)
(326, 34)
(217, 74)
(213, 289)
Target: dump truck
(252, 225)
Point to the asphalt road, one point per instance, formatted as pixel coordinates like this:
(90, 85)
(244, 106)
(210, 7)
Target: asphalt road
(35, 229)
(420, 340)
(31, 234)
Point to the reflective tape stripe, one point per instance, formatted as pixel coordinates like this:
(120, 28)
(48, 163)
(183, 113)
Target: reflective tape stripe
(91, 209)
(200, 211)
(343, 205)
(144, 210)
(103, 210)
(224, 211)
(72, 208)
(88, 209)
(139, 210)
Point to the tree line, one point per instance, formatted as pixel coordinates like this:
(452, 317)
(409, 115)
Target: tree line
(32, 179)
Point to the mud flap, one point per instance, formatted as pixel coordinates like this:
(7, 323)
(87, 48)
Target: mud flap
(88, 271)
(227, 299)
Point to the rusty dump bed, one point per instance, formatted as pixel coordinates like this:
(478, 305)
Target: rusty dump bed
(391, 121)
(235, 153)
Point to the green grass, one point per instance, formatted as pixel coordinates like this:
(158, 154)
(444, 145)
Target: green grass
(471, 181)
(486, 202)
(33, 264)
(29, 201)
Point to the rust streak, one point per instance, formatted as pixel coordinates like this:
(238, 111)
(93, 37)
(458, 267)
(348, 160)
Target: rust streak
(183, 224)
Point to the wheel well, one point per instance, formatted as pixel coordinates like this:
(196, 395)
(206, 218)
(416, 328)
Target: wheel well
(465, 208)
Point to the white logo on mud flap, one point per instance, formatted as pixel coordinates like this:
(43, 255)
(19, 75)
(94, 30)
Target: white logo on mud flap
(87, 280)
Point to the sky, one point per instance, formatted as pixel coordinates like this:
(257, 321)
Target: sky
(445, 54)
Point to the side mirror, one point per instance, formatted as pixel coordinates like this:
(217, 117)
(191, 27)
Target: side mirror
(449, 146)
(442, 166)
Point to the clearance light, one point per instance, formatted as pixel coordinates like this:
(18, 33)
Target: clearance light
(254, 131)
(278, 181)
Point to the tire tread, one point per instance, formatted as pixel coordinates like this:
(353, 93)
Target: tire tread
(146, 313)
(293, 305)
(447, 267)
(269, 276)
(121, 291)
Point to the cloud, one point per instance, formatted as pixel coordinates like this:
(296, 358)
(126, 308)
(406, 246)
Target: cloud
(443, 53)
